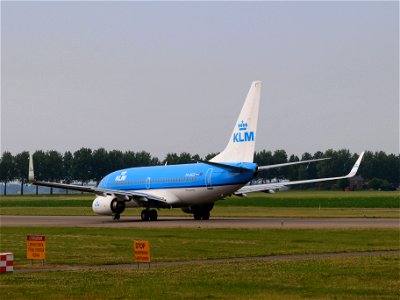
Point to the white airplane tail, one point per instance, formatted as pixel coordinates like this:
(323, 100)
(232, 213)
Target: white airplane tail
(241, 145)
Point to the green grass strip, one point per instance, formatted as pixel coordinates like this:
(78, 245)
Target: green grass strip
(374, 277)
(318, 199)
(94, 246)
(367, 199)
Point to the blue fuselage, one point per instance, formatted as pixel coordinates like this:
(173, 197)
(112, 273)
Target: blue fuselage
(178, 176)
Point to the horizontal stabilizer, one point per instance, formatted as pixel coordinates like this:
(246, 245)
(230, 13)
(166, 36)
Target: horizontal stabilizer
(261, 168)
(225, 166)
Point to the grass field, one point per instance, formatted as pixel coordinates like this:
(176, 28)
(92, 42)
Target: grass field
(368, 277)
(284, 204)
(97, 246)
(334, 278)
(372, 277)
(324, 199)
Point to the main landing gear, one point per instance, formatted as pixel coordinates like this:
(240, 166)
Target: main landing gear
(200, 212)
(149, 215)
(201, 215)
(116, 217)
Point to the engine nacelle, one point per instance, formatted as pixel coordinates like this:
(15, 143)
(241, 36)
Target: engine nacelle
(107, 205)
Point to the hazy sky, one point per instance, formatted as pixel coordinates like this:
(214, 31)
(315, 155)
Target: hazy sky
(172, 76)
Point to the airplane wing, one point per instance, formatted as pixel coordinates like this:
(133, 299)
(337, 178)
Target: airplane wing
(140, 198)
(272, 186)
(73, 187)
(261, 168)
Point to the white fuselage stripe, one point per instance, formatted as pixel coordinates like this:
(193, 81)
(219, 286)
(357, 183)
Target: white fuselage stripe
(182, 197)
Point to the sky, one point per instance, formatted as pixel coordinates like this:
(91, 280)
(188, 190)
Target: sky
(172, 76)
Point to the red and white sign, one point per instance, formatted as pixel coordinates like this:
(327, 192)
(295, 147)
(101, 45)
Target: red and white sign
(6, 262)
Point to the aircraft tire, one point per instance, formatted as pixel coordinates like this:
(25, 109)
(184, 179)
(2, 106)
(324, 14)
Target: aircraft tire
(145, 215)
(205, 215)
(197, 215)
(116, 217)
(153, 215)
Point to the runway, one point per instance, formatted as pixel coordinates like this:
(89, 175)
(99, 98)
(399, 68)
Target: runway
(176, 222)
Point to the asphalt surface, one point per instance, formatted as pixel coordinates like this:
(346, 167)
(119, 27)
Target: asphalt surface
(176, 222)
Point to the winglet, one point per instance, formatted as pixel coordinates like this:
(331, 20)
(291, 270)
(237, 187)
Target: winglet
(31, 175)
(356, 165)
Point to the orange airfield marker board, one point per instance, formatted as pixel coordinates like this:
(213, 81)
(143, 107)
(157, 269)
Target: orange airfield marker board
(142, 251)
(36, 247)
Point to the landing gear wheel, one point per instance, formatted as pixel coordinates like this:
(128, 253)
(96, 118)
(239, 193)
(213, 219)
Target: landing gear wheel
(153, 215)
(197, 215)
(116, 217)
(145, 215)
(201, 215)
(205, 215)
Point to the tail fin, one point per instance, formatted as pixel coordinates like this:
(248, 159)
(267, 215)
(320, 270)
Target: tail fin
(241, 145)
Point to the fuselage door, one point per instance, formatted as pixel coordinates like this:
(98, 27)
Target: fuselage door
(209, 178)
(148, 182)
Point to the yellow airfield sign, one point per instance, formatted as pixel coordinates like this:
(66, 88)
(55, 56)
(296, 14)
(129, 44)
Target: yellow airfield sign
(142, 251)
(36, 247)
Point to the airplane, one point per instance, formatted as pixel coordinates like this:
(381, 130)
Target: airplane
(193, 187)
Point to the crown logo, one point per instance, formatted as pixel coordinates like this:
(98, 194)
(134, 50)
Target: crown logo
(242, 126)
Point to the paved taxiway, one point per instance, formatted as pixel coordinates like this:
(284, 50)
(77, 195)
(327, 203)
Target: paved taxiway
(175, 222)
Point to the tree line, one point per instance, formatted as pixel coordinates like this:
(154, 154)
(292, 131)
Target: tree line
(379, 170)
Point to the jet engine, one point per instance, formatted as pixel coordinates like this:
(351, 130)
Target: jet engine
(108, 205)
